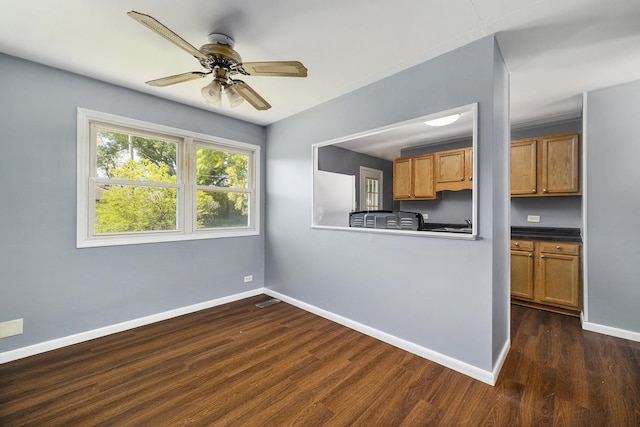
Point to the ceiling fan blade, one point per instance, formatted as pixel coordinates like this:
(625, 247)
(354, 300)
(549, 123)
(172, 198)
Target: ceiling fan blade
(158, 28)
(178, 78)
(277, 68)
(250, 95)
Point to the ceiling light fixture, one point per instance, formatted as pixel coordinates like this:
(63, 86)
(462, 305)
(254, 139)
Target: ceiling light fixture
(443, 121)
(212, 93)
(234, 97)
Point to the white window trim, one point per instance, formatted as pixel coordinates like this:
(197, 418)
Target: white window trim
(186, 229)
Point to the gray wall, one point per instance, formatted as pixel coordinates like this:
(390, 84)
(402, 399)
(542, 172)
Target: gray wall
(340, 160)
(612, 264)
(453, 207)
(553, 211)
(57, 289)
(501, 148)
(450, 296)
(522, 132)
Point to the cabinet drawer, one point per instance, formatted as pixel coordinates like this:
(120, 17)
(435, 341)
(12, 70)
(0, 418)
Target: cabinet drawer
(522, 245)
(567, 248)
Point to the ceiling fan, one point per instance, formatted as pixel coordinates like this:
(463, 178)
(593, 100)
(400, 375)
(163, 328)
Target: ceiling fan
(220, 60)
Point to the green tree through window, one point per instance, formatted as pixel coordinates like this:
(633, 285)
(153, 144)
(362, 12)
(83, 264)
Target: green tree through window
(129, 208)
(219, 176)
(133, 199)
(126, 204)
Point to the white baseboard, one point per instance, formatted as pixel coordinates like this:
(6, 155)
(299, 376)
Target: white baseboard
(500, 361)
(449, 362)
(608, 330)
(34, 349)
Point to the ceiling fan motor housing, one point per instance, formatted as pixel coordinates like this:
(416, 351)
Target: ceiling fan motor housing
(221, 56)
(219, 38)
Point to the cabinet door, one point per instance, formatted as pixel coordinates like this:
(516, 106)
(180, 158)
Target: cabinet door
(468, 164)
(523, 167)
(423, 186)
(402, 177)
(450, 166)
(560, 165)
(558, 280)
(522, 274)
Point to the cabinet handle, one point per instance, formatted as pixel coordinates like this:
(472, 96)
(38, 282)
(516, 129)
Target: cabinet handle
(462, 179)
(517, 244)
(530, 255)
(471, 178)
(544, 190)
(533, 191)
(541, 256)
(558, 247)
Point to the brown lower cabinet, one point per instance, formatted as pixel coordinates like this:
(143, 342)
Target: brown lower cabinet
(547, 275)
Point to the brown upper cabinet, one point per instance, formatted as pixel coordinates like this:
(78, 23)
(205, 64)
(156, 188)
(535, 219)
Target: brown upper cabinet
(454, 169)
(422, 177)
(546, 166)
(413, 178)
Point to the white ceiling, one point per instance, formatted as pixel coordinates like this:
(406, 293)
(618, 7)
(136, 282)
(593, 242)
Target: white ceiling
(554, 49)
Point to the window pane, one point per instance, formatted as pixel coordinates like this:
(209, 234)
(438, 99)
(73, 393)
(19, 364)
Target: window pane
(128, 208)
(221, 169)
(222, 209)
(126, 156)
(372, 193)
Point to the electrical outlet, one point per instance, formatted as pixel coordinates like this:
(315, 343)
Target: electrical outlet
(10, 328)
(533, 218)
(248, 279)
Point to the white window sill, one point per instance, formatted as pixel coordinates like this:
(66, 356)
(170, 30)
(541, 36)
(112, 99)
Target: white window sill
(163, 238)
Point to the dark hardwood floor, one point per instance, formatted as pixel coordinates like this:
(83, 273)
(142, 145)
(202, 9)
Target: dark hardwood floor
(278, 366)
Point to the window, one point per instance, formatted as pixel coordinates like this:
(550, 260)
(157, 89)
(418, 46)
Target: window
(370, 189)
(142, 183)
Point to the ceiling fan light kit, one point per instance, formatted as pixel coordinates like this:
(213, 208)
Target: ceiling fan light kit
(220, 60)
(235, 98)
(212, 93)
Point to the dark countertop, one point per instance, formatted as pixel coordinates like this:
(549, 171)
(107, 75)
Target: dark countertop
(547, 233)
(428, 226)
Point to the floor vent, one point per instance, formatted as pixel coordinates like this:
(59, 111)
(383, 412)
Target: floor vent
(267, 303)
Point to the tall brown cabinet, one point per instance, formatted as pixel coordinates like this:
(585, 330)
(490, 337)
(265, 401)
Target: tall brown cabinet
(546, 274)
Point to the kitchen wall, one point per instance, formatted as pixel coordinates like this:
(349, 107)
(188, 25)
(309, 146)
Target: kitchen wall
(348, 162)
(57, 289)
(553, 211)
(611, 212)
(443, 297)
